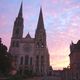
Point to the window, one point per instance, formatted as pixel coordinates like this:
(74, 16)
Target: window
(40, 44)
(42, 60)
(31, 61)
(37, 63)
(37, 60)
(17, 31)
(26, 59)
(17, 43)
(21, 62)
(42, 63)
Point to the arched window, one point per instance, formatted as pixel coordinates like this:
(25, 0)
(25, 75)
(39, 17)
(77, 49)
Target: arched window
(42, 60)
(26, 59)
(40, 44)
(21, 61)
(17, 43)
(31, 61)
(17, 31)
(37, 60)
(42, 63)
(37, 63)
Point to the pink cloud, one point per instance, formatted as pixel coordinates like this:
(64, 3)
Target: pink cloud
(6, 39)
(59, 43)
(59, 51)
(59, 62)
(3, 21)
(69, 5)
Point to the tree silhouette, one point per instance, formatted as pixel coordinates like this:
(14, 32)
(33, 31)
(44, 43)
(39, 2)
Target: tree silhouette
(5, 59)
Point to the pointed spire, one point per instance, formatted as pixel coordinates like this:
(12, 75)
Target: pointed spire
(40, 20)
(20, 11)
(28, 35)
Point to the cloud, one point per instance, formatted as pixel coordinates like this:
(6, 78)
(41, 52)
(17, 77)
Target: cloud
(59, 61)
(59, 42)
(3, 21)
(6, 39)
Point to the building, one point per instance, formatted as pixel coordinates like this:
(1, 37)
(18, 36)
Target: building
(75, 60)
(66, 74)
(30, 54)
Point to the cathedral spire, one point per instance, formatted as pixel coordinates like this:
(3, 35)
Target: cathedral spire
(40, 35)
(20, 11)
(18, 24)
(40, 24)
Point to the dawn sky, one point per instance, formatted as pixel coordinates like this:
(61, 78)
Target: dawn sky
(61, 19)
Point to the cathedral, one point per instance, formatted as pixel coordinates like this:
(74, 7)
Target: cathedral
(30, 54)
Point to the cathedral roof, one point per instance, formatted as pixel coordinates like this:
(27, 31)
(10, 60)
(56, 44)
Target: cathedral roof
(28, 36)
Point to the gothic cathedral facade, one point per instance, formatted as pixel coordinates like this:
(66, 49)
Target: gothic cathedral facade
(30, 53)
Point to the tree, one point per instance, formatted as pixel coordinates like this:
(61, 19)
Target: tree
(5, 59)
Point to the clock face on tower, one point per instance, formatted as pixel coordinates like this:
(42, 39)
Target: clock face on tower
(27, 48)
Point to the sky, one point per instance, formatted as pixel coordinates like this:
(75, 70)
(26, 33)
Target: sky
(61, 20)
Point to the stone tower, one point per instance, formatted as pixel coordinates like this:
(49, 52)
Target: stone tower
(17, 29)
(17, 34)
(75, 60)
(41, 51)
(30, 54)
(18, 25)
(40, 35)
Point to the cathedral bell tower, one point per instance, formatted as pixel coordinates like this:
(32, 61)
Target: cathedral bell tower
(17, 31)
(40, 35)
(18, 25)
(41, 51)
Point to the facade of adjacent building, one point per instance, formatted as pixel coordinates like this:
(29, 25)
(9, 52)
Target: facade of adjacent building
(30, 53)
(73, 72)
(75, 60)
(66, 74)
